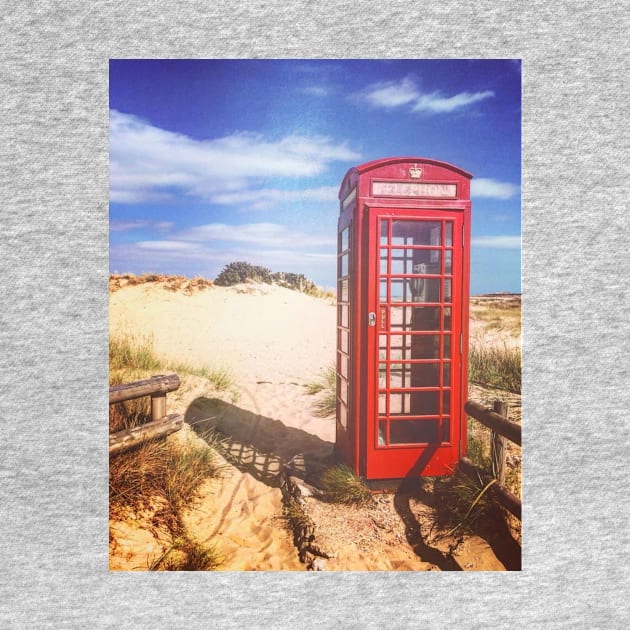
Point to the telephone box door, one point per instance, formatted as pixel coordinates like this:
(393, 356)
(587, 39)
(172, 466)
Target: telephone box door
(414, 358)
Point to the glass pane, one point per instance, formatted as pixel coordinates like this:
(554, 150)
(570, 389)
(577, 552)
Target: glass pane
(343, 290)
(383, 268)
(425, 317)
(448, 261)
(426, 261)
(446, 402)
(400, 291)
(447, 375)
(343, 365)
(425, 403)
(418, 318)
(383, 292)
(400, 375)
(343, 315)
(344, 239)
(343, 341)
(400, 347)
(400, 318)
(425, 289)
(449, 234)
(342, 389)
(381, 404)
(447, 318)
(384, 226)
(413, 432)
(447, 290)
(344, 265)
(343, 415)
(382, 433)
(416, 233)
(446, 429)
(447, 347)
(403, 375)
(382, 342)
(402, 261)
(399, 404)
(425, 375)
(425, 347)
(382, 375)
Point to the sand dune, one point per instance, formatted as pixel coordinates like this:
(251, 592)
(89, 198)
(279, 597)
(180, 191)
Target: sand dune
(274, 341)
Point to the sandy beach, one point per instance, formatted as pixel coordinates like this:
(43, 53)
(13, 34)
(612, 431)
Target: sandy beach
(273, 341)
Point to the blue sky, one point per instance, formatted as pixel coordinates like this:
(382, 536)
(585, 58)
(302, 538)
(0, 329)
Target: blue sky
(213, 161)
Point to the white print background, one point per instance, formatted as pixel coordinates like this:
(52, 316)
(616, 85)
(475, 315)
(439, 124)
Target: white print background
(53, 398)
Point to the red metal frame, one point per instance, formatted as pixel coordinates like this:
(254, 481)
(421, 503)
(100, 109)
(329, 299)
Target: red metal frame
(363, 214)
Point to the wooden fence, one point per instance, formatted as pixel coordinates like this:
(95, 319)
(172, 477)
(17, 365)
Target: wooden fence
(161, 424)
(502, 429)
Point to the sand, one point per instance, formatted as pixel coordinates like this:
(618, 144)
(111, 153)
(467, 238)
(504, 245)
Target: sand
(273, 341)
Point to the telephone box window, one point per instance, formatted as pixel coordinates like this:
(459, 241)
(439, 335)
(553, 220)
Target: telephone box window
(413, 432)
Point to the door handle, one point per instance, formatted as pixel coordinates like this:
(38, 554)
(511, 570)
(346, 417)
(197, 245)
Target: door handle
(372, 318)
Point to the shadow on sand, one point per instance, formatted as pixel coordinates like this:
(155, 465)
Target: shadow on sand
(494, 531)
(264, 448)
(258, 445)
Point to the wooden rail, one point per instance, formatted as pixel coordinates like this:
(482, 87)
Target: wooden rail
(502, 428)
(161, 425)
(496, 422)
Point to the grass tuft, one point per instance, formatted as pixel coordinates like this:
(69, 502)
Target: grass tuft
(132, 357)
(326, 405)
(496, 367)
(187, 554)
(340, 485)
(463, 503)
(159, 470)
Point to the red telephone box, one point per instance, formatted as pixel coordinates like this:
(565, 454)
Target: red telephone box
(402, 322)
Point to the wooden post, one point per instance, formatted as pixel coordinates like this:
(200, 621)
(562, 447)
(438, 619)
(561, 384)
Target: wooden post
(510, 430)
(158, 406)
(506, 498)
(497, 446)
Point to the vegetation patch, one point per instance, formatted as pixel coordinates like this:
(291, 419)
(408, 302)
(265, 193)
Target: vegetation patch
(340, 485)
(325, 388)
(241, 271)
(160, 478)
(168, 282)
(495, 367)
(133, 356)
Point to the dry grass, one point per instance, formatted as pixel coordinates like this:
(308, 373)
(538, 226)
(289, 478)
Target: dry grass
(495, 366)
(160, 472)
(132, 357)
(159, 477)
(325, 388)
(164, 479)
(463, 504)
(167, 282)
(340, 485)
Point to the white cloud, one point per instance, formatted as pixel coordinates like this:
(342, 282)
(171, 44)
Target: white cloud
(126, 226)
(497, 242)
(485, 187)
(439, 104)
(171, 246)
(265, 234)
(393, 94)
(268, 197)
(148, 163)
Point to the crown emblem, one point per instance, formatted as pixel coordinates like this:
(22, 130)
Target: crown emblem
(415, 172)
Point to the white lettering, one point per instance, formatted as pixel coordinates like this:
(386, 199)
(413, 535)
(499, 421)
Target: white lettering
(413, 189)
